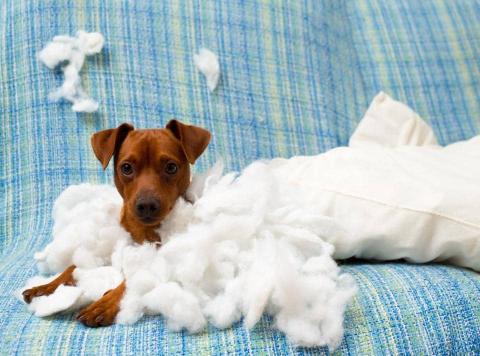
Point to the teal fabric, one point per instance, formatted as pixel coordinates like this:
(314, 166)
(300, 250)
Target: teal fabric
(296, 78)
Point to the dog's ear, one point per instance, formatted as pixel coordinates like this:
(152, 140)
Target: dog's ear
(107, 142)
(194, 139)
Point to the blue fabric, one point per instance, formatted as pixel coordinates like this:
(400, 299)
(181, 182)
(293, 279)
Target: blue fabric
(296, 78)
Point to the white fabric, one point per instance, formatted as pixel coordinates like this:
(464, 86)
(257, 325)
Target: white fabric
(264, 241)
(418, 201)
(388, 123)
(73, 50)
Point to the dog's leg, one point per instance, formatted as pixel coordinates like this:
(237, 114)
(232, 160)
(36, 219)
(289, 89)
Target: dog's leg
(103, 311)
(46, 289)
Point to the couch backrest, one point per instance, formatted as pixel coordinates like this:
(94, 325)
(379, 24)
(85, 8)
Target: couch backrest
(296, 78)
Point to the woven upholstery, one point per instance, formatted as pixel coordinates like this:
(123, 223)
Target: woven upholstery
(296, 78)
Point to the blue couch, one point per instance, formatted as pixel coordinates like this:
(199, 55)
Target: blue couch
(296, 78)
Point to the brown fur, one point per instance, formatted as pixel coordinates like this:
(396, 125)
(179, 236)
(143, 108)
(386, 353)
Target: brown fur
(148, 152)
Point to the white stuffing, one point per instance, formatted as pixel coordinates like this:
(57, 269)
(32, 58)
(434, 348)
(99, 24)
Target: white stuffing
(236, 251)
(264, 241)
(64, 299)
(72, 50)
(207, 63)
(87, 217)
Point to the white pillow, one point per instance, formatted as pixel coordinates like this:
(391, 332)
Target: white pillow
(394, 193)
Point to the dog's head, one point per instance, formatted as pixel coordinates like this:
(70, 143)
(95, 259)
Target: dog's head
(151, 167)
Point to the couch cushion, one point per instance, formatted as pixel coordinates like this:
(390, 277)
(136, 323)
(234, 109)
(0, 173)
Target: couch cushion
(295, 79)
(402, 308)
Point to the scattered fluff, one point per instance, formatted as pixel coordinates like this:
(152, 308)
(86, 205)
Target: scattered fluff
(72, 50)
(207, 63)
(241, 249)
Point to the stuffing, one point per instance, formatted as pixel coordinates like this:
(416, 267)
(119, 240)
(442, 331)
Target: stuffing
(69, 53)
(236, 251)
(207, 63)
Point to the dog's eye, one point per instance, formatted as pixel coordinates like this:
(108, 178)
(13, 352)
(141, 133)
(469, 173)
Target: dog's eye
(126, 169)
(171, 168)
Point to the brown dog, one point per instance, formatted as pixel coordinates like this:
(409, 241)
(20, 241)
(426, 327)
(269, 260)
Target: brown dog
(151, 169)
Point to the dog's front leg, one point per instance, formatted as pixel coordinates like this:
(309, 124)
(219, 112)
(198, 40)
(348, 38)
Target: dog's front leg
(65, 278)
(103, 311)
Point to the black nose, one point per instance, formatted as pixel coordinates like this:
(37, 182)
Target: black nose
(147, 207)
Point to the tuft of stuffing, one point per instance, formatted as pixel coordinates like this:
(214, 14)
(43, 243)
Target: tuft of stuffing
(207, 63)
(72, 50)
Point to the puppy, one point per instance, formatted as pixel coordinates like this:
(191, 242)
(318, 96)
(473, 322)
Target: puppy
(151, 170)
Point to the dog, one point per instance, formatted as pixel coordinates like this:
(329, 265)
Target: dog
(151, 171)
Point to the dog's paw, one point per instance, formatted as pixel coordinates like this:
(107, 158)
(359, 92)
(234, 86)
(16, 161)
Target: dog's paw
(104, 310)
(38, 291)
(66, 278)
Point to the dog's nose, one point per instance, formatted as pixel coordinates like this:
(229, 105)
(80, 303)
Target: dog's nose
(147, 207)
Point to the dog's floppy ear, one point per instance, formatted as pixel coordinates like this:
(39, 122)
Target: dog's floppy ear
(194, 139)
(107, 142)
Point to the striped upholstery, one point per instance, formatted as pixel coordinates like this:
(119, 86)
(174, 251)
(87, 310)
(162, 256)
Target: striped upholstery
(296, 77)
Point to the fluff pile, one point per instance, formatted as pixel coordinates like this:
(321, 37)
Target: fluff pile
(240, 249)
(73, 51)
(207, 63)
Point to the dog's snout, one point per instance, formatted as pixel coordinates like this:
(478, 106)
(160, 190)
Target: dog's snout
(147, 208)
